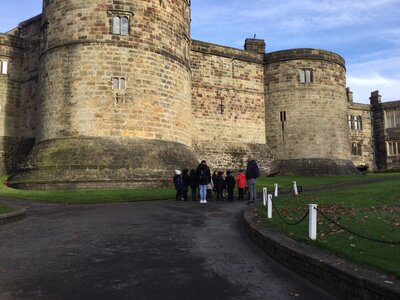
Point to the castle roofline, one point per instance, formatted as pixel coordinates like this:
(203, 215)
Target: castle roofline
(12, 31)
(304, 53)
(30, 21)
(225, 51)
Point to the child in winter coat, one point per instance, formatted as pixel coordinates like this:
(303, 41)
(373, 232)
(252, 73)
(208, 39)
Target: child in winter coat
(178, 183)
(219, 186)
(186, 182)
(241, 183)
(230, 184)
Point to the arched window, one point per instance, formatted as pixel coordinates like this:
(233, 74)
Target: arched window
(356, 148)
(116, 25)
(125, 26)
(305, 75)
(120, 25)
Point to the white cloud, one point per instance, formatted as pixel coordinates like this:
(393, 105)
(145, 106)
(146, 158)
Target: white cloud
(380, 74)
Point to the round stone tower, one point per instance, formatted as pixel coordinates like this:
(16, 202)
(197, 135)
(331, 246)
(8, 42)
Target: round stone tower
(114, 94)
(306, 112)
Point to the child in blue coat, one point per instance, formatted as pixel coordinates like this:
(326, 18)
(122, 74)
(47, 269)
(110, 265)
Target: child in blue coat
(178, 183)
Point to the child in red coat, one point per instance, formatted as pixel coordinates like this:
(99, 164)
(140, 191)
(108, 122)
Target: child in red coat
(241, 183)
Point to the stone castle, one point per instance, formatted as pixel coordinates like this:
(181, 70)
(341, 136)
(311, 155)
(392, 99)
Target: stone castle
(111, 93)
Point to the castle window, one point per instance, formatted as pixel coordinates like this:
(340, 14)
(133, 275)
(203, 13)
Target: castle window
(355, 122)
(306, 76)
(119, 84)
(356, 149)
(120, 25)
(392, 148)
(4, 67)
(392, 118)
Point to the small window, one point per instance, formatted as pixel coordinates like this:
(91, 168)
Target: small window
(355, 122)
(4, 67)
(392, 148)
(116, 25)
(125, 26)
(119, 84)
(356, 149)
(306, 76)
(392, 118)
(120, 25)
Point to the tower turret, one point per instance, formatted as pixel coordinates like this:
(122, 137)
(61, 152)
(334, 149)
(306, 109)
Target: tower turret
(115, 94)
(306, 115)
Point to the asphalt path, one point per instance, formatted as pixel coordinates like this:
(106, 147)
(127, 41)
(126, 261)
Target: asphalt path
(148, 250)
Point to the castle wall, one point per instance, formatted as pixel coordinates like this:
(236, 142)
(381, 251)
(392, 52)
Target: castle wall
(362, 136)
(30, 31)
(124, 89)
(11, 51)
(233, 78)
(386, 135)
(306, 121)
(78, 66)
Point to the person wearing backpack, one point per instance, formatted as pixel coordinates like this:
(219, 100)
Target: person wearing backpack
(203, 175)
(252, 172)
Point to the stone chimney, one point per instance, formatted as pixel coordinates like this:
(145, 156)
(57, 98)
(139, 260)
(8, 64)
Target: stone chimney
(375, 98)
(255, 45)
(349, 94)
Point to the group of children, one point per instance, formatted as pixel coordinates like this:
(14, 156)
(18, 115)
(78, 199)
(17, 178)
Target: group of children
(222, 182)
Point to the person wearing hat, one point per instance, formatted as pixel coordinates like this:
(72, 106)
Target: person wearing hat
(178, 183)
(203, 176)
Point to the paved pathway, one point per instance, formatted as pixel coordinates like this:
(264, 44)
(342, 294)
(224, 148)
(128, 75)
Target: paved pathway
(153, 250)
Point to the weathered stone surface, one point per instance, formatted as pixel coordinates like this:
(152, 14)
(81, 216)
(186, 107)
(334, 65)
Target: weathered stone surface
(314, 167)
(102, 162)
(220, 103)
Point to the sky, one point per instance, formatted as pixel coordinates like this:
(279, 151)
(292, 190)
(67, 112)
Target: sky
(366, 33)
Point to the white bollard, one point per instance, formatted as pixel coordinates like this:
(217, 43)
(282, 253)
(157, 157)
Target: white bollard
(265, 193)
(296, 192)
(269, 207)
(312, 221)
(276, 190)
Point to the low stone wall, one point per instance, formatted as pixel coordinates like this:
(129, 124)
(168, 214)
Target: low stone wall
(338, 276)
(314, 167)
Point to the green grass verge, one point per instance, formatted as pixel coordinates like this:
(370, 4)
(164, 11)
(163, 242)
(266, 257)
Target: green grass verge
(307, 181)
(371, 210)
(88, 196)
(133, 195)
(5, 209)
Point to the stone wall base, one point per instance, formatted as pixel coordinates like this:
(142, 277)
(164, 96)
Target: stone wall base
(12, 151)
(233, 156)
(92, 162)
(314, 166)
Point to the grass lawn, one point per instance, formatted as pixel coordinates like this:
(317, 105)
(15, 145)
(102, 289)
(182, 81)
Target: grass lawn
(307, 181)
(132, 195)
(5, 209)
(87, 196)
(371, 210)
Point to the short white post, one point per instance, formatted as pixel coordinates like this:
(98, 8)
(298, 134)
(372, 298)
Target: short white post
(276, 190)
(312, 221)
(269, 207)
(265, 193)
(296, 192)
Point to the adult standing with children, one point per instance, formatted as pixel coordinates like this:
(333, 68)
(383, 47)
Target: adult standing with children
(203, 175)
(252, 172)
